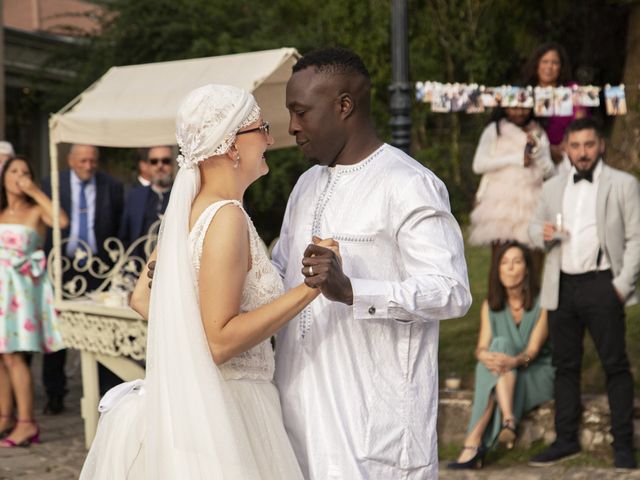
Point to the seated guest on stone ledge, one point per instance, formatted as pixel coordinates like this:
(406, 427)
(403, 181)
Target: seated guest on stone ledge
(514, 372)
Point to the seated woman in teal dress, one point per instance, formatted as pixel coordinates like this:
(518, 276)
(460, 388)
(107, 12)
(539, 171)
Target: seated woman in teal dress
(514, 372)
(28, 321)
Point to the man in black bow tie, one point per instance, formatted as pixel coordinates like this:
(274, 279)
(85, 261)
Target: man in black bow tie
(591, 271)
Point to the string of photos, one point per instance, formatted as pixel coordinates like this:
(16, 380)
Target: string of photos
(545, 101)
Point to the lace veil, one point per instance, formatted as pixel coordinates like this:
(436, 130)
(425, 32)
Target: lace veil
(181, 421)
(193, 428)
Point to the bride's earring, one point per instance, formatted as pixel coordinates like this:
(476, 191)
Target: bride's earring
(237, 162)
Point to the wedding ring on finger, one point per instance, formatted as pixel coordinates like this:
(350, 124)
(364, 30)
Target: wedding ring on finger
(311, 271)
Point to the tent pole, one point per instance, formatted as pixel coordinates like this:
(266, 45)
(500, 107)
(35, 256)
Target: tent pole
(55, 199)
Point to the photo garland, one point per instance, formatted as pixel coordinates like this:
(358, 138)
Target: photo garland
(545, 101)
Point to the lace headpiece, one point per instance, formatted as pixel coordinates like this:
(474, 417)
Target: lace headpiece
(208, 120)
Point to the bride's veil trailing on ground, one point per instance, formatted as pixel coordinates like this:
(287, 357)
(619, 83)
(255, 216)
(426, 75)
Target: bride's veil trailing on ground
(184, 415)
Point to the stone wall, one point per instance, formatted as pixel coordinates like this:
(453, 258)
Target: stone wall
(455, 410)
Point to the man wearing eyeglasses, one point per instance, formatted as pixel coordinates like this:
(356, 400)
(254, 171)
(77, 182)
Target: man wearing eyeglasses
(145, 205)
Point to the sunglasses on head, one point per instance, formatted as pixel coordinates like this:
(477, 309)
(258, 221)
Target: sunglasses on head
(264, 128)
(154, 161)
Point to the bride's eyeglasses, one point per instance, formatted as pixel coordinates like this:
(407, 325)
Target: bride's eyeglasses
(264, 128)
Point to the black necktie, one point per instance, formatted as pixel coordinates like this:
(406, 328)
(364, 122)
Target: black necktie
(588, 176)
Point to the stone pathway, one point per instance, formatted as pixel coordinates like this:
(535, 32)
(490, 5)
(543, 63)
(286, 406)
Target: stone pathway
(62, 452)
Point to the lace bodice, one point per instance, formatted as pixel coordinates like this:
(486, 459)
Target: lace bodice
(262, 285)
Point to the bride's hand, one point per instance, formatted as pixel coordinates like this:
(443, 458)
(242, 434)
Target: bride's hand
(329, 243)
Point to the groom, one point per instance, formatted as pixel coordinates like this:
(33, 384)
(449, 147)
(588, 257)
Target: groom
(357, 370)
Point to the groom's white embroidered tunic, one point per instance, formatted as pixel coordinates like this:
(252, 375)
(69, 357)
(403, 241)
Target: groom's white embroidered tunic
(359, 384)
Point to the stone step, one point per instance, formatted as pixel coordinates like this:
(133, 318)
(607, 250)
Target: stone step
(455, 410)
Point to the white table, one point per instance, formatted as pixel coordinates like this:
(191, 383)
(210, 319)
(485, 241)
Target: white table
(116, 337)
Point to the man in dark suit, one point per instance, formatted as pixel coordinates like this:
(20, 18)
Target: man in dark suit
(145, 205)
(143, 179)
(94, 203)
(588, 219)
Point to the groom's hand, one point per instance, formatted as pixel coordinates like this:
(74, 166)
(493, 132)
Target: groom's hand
(322, 268)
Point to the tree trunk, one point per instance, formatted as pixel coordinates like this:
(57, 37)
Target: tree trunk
(623, 150)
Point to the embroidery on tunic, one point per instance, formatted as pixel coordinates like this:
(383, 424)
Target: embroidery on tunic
(306, 318)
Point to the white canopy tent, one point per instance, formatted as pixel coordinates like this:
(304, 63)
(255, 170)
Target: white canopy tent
(135, 106)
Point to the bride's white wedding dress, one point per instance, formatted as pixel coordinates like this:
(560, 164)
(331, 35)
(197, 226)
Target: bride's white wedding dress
(259, 444)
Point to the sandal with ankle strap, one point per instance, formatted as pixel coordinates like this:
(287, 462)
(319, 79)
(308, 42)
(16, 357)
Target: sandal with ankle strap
(35, 438)
(508, 434)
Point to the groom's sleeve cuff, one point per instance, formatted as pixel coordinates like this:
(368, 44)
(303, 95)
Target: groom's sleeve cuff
(370, 298)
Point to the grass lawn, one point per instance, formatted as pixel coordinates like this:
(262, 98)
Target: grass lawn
(458, 337)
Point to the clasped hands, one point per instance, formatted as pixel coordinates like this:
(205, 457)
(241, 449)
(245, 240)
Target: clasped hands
(499, 363)
(322, 268)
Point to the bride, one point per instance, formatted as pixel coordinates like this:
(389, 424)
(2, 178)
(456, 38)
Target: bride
(207, 407)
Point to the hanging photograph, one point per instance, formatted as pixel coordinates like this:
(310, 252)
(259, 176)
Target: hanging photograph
(525, 97)
(563, 101)
(587, 96)
(428, 91)
(441, 98)
(459, 97)
(474, 95)
(615, 100)
(491, 96)
(543, 105)
(420, 92)
(510, 96)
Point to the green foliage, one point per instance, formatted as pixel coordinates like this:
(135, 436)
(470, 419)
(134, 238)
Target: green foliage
(266, 198)
(485, 41)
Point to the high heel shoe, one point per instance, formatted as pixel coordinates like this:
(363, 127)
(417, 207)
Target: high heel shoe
(35, 438)
(5, 433)
(476, 462)
(507, 435)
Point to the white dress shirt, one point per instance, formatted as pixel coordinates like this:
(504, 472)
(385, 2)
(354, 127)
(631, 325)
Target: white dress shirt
(580, 248)
(90, 194)
(359, 384)
(143, 181)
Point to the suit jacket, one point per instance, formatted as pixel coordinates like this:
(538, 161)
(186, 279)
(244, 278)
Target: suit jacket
(109, 205)
(132, 222)
(618, 225)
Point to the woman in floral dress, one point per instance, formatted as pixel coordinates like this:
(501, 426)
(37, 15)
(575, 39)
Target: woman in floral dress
(28, 320)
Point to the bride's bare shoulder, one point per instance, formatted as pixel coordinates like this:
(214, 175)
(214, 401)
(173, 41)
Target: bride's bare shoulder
(228, 225)
(201, 205)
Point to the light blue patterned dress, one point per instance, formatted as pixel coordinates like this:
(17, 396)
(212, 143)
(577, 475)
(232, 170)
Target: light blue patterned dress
(28, 320)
